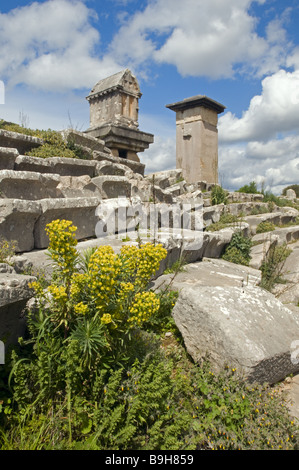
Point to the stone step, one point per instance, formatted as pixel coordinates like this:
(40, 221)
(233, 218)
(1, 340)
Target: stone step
(14, 294)
(113, 186)
(28, 185)
(136, 167)
(7, 158)
(277, 218)
(17, 222)
(282, 235)
(58, 165)
(21, 142)
(81, 211)
(25, 221)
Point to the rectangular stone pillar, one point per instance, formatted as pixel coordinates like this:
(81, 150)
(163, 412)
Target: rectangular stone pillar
(197, 138)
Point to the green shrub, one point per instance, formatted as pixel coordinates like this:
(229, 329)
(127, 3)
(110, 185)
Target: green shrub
(238, 250)
(54, 145)
(250, 188)
(265, 226)
(218, 195)
(273, 265)
(225, 220)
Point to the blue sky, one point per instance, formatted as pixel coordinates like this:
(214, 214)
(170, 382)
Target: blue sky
(242, 53)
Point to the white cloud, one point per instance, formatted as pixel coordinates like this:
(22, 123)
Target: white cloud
(160, 156)
(208, 38)
(276, 110)
(275, 163)
(51, 46)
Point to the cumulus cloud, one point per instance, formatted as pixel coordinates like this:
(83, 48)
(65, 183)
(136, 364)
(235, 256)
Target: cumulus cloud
(207, 38)
(160, 156)
(263, 144)
(51, 45)
(275, 110)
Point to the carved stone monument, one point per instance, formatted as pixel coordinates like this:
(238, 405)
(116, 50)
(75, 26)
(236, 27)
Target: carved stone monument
(114, 115)
(197, 138)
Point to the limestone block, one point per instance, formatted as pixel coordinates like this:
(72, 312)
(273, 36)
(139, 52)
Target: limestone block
(114, 169)
(28, 185)
(136, 167)
(244, 197)
(241, 326)
(17, 220)
(287, 234)
(247, 207)
(81, 211)
(7, 158)
(21, 142)
(166, 178)
(177, 189)
(149, 193)
(211, 214)
(58, 165)
(215, 243)
(290, 194)
(78, 186)
(83, 139)
(113, 186)
(277, 218)
(259, 252)
(289, 293)
(14, 293)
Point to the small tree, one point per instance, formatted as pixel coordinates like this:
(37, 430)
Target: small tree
(218, 195)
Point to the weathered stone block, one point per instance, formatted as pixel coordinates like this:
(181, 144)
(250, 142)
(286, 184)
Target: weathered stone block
(243, 327)
(277, 218)
(136, 167)
(83, 139)
(113, 186)
(7, 158)
(166, 178)
(81, 211)
(58, 165)
(78, 186)
(17, 220)
(14, 293)
(113, 169)
(28, 185)
(211, 214)
(21, 142)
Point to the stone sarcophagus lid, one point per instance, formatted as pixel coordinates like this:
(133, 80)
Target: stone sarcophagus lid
(114, 115)
(197, 138)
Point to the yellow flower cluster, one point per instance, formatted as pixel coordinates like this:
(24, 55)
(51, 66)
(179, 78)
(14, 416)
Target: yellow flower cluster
(81, 308)
(58, 293)
(145, 305)
(103, 269)
(79, 283)
(125, 289)
(62, 243)
(38, 288)
(141, 263)
(106, 318)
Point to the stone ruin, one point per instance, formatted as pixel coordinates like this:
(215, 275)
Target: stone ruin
(114, 106)
(35, 191)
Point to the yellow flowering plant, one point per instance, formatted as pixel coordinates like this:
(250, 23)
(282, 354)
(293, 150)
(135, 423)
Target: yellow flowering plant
(106, 297)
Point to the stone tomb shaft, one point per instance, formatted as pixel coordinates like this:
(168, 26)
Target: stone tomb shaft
(114, 115)
(197, 138)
